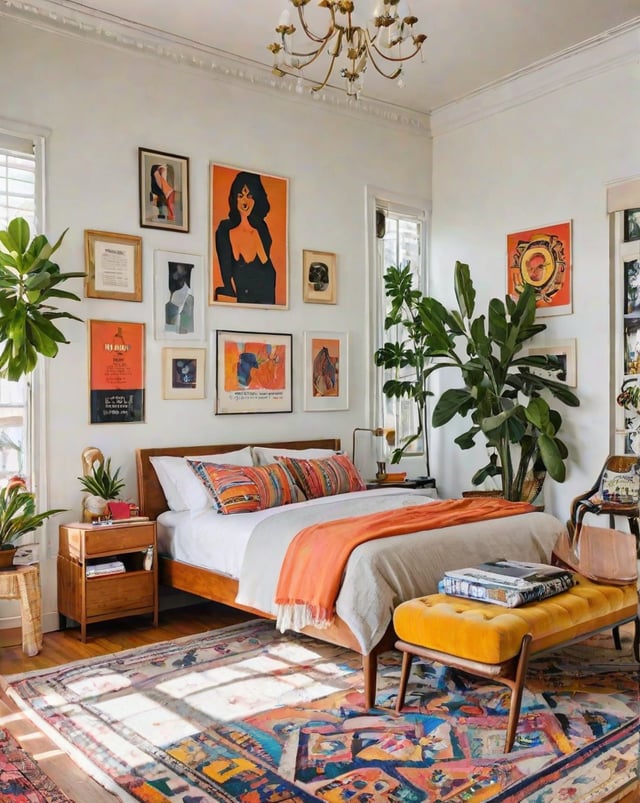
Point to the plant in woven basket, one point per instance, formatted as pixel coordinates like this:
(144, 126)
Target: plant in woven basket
(18, 514)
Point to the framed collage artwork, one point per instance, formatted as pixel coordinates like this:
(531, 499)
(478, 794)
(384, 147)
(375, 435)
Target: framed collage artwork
(163, 180)
(541, 258)
(249, 247)
(326, 371)
(116, 372)
(253, 372)
(178, 296)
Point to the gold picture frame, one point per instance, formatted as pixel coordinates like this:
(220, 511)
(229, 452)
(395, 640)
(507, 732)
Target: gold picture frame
(113, 265)
(183, 373)
(319, 277)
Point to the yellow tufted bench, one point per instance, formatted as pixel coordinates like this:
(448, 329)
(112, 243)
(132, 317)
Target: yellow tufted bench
(496, 642)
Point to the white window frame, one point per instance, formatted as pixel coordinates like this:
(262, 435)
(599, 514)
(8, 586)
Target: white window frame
(416, 208)
(35, 438)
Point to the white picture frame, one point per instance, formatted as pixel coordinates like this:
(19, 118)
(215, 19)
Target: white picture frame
(565, 350)
(326, 371)
(179, 296)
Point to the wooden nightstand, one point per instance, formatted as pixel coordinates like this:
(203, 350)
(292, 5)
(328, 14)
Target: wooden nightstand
(88, 599)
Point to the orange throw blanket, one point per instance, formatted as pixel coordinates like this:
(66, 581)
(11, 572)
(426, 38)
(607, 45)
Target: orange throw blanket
(314, 563)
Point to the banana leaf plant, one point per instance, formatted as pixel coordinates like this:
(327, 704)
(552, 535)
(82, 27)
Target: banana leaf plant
(29, 280)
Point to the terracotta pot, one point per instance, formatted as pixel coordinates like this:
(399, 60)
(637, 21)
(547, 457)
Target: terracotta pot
(6, 557)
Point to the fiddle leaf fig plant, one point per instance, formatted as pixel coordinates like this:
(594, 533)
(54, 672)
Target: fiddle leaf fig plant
(29, 280)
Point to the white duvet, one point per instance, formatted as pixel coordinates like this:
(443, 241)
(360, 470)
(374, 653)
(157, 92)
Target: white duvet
(379, 574)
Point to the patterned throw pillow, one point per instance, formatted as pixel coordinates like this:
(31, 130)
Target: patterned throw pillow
(244, 489)
(325, 476)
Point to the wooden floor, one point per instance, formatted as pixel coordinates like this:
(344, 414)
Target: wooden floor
(64, 646)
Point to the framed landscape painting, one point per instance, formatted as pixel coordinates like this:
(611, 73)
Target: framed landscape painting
(253, 372)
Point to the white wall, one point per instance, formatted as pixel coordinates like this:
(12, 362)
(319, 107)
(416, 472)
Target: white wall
(101, 104)
(540, 161)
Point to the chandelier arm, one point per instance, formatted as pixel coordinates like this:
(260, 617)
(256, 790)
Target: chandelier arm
(313, 56)
(314, 36)
(318, 87)
(373, 46)
(392, 75)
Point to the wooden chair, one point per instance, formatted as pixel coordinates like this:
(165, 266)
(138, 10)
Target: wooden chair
(600, 501)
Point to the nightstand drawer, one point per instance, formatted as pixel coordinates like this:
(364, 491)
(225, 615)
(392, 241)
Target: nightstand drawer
(117, 539)
(128, 591)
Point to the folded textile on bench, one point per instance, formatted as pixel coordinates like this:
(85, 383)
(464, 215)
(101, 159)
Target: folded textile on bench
(314, 563)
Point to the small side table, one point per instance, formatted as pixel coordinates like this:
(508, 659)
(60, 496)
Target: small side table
(415, 482)
(23, 583)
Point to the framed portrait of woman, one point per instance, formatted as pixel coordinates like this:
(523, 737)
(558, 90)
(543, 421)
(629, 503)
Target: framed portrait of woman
(164, 190)
(249, 263)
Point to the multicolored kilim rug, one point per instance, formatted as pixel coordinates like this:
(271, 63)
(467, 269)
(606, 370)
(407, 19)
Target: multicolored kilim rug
(21, 779)
(247, 714)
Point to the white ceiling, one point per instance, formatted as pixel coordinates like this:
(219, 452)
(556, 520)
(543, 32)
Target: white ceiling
(471, 43)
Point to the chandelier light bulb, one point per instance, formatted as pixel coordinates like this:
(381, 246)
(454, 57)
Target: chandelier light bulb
(349, 47)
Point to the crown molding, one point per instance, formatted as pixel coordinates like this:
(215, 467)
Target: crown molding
(607, 51)
(73, 19)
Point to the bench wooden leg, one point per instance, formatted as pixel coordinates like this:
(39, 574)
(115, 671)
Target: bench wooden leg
(407, 658)
(517, 687)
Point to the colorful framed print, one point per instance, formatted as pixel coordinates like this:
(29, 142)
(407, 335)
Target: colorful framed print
(113, 265)
(541, 258)
(249, 248)
(253, 372)
(116, 372)
(164, 190)
(319, 277)
(178, 296)
(631, 225)
(183, 373)
(565, 351)
(326, 374)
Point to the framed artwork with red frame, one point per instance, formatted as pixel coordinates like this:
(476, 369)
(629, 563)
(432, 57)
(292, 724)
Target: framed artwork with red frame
(248, 234)
(541, 258)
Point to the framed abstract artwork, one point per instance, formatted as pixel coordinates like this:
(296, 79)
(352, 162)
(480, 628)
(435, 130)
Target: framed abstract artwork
(183, 373)
(178, 296)
(253, 372)
(116, 372)
(565, 351)
(319, 277)
(326, 371)
(249, 248)
(541, 258)
(163, 190)
(113, 265)
(631, 225)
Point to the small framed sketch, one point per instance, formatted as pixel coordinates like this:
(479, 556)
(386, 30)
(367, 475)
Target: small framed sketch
(183, 372)
(253, 372)
(113, 264)
(164, 190)
(631, 225)
(178, 296)
(319, 277)
(565, 351)
(326, 371)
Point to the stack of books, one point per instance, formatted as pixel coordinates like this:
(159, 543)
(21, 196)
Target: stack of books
(507, 582)
(100, 569)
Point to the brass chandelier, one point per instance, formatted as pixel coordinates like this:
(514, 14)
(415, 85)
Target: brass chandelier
(349, 46)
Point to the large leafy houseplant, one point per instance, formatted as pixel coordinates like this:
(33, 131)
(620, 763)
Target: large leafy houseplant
(29, 280)
(504, 391)
(18, 513)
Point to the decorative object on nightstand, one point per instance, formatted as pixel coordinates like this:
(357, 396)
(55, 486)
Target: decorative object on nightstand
(100, 481)
(379, 448)
(106, 571)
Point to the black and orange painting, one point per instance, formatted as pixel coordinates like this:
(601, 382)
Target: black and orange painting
(248, 234)
(541, 258)
(253, 373)
(116, 372)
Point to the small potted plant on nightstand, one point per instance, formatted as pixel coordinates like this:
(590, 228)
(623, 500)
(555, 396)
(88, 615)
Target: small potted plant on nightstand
(17, 517)
(102, 485)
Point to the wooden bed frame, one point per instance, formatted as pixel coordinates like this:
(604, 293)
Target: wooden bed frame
(222, 588)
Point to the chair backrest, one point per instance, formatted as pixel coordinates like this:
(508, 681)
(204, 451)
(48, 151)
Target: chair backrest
(619, 480)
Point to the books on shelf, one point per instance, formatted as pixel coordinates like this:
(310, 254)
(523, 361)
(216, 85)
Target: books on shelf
(27, 555)
(109, 567)
(507, 582)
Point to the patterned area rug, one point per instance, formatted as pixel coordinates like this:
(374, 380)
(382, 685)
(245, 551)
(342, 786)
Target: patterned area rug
(21, 779)
(247, 714)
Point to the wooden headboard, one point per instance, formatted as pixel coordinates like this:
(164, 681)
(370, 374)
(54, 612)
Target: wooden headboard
(150, 495)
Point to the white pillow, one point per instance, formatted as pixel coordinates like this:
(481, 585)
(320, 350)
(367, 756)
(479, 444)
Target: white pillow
(182, 489)
(264, 454)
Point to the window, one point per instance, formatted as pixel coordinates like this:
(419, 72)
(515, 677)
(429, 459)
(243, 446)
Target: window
(20, 187)
(400, 233)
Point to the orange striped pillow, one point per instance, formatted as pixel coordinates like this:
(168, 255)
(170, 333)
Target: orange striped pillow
(325, 476)
(244, 489)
